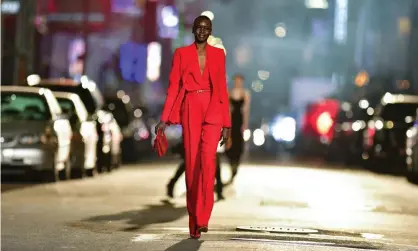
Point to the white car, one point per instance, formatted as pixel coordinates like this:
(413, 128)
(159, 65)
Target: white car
(85, 137)
(35, 136)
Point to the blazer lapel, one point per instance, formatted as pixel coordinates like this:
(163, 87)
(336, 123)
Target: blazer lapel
(210, 65)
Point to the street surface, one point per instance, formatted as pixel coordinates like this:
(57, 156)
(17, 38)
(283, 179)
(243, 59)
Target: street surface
(269, 207)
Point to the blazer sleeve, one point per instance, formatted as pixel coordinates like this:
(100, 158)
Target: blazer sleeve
(173, 86)
(224, 92)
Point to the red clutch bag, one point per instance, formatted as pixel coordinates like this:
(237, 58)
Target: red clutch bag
(160, 143)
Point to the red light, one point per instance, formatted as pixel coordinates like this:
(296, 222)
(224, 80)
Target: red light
(319, 118)
(324, 123)
(369, 139)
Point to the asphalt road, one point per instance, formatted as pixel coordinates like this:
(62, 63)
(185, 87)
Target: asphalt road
(269, 207)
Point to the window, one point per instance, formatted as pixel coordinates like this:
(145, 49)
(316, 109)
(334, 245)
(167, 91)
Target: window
(66, 105)
(91, 99)
(23, 106)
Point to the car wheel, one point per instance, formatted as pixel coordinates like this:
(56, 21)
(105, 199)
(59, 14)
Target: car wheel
(77, 172)
(91, 172)
(51, 175)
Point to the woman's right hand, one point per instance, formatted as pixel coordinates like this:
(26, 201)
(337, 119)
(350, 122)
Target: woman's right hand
(160, 126)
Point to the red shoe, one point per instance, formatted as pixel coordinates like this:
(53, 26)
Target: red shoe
(195, 236)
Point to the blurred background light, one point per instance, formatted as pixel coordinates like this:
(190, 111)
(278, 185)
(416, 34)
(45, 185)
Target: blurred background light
(209, 14)
(170, 18)
(284, 129)
(364, 104)
(257, 86)
(10, 7)
(280, 30)
(324, 123)
(154, 61)
(247, 134)
(340, 22)
(258, 137)
(316, 4)
(33, 79)
(263, 75)
(362, 79)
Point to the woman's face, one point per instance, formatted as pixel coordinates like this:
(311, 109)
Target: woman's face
(238, 82)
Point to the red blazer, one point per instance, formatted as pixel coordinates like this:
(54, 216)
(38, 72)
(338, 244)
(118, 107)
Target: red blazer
(185, 60)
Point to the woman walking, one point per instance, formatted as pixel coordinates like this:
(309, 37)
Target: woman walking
(239, 99)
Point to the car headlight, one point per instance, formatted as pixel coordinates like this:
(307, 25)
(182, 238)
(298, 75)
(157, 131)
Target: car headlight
(284, 129)
(30, 139)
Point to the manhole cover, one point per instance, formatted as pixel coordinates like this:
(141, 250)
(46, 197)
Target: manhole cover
(290, 230)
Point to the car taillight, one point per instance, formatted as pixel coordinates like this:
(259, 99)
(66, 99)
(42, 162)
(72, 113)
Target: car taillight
(324, 123)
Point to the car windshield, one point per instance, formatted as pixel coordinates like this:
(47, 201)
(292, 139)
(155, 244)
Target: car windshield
(92, 100)
(398, 112)
(23, 106)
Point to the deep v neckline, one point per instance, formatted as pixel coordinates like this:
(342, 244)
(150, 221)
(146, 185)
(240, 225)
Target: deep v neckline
(198, 61)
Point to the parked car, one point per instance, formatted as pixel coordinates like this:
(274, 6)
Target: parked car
(412, 152)
(93, 100)
(35, 136)
(347, 143)
(116, 146)
(85, 137)
(136, 134)
(384, 140)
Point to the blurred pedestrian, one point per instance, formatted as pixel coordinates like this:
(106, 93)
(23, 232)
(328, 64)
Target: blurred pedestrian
(179, 149)
(239, 99)
(197, 97)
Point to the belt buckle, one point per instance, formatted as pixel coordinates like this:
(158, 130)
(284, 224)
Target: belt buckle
(199, 91)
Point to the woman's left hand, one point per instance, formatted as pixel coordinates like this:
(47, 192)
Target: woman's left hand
(225, 135)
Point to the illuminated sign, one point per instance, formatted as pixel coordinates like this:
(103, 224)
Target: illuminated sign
(64, 15)
(10, 7)
(128, 7)
(133, 62)
(340, 22)
(154, 61)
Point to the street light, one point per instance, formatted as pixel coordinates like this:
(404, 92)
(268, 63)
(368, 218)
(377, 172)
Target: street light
(362, 79)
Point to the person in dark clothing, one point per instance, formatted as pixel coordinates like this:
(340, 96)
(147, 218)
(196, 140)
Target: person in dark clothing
(239, 100)
(179, 149)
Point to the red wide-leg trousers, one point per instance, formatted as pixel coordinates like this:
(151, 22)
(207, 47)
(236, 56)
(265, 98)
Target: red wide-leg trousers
(200, 144)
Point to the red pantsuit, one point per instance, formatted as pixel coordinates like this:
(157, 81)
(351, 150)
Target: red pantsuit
(201, 140)
(200, 103)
